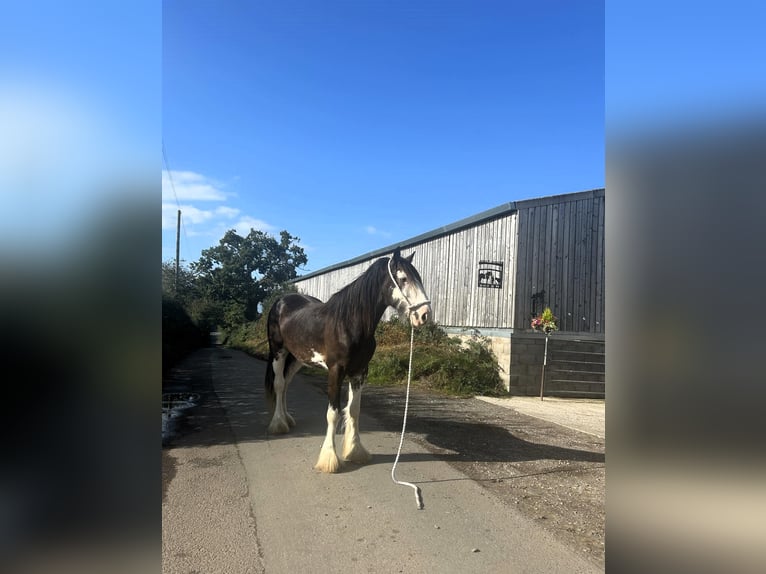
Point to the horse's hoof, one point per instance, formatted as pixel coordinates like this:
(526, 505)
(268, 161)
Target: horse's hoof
(328, 462)
(357, 453)
(279, 427)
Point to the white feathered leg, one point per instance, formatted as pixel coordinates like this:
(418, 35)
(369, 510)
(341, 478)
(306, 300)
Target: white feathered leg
(352, 445)
(328, 460)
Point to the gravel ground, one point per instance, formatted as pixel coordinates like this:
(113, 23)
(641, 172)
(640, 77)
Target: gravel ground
(584, 415)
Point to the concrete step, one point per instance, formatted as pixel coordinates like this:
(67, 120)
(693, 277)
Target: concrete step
(580, 356)
(575, 375)
(569, 388)
(567, 345)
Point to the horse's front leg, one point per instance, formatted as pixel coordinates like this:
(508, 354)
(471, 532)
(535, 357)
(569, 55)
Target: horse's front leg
(352, 445)
(328, 460)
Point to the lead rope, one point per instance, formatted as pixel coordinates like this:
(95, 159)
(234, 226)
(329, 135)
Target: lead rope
(418, 494)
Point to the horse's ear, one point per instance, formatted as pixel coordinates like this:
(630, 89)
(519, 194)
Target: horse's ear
(410, 256)
(397, 254)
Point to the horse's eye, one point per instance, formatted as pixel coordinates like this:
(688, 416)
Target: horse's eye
(404, 281)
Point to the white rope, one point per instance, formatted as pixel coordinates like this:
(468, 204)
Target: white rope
(418, 494)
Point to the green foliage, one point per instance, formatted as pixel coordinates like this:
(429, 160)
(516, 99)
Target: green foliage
(439, 362)
(204, 312)
(240, 273)
(397, 332)
(392, 333)
(183, 288)
(180, 334)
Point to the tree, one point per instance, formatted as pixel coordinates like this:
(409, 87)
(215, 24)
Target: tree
(241, 272)
(205, 312)
(182, 289)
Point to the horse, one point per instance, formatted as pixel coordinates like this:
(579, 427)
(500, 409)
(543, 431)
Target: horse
(339, 336)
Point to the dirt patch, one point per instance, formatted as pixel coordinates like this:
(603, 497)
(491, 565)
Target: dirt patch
(553, 475)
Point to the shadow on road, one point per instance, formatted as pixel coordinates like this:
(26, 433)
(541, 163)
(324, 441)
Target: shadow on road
(480, 442)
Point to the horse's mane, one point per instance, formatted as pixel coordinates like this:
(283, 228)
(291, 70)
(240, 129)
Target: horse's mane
(361, 300)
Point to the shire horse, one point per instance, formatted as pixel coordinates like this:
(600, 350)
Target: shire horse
(339, 336)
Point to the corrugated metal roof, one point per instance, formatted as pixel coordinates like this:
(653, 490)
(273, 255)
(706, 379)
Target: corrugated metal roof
(499, 211)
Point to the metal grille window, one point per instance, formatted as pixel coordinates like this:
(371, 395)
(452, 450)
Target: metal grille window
(491, 274)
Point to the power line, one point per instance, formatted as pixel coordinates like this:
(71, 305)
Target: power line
(173, 187)
(170, 174)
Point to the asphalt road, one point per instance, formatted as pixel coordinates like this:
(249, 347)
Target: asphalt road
(238, 500)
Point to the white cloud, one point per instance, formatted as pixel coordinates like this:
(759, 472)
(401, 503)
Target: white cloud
(189, 214)
(227, 211)
(246, 223)
(190, 186)
(375, 231)
(206, 212)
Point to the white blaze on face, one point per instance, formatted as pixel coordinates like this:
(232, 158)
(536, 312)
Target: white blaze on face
(415, 296)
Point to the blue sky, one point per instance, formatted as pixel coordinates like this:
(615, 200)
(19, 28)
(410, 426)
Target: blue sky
(355, 125)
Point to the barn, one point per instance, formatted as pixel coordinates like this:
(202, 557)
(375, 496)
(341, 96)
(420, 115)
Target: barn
(490, 273)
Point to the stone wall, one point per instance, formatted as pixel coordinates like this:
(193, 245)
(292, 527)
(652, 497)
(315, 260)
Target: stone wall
(526, 363)
(501, 347)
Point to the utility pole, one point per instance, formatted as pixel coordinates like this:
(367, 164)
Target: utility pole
(178, 248)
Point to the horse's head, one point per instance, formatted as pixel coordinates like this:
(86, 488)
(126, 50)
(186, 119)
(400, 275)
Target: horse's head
(408, 295)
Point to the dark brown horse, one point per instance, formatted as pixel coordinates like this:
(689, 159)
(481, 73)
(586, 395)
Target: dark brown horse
(339, 336)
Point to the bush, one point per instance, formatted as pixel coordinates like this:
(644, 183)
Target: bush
(397, 332)
(439, 362)
(249, 337)
(180, 335)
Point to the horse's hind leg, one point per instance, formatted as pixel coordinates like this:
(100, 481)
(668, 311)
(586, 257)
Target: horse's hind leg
(269, 385)
(352, 445)
(292, 366)
(279, 422)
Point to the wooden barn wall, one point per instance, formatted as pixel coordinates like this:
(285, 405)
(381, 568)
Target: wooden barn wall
(324, 286)
(463, 302)
(561, 251)
(449, 267)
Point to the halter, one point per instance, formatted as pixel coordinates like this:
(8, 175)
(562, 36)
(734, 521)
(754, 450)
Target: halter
(410, 306)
